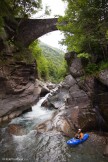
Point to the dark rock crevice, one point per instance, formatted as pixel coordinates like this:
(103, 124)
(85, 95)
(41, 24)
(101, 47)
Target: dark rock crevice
(101, 104)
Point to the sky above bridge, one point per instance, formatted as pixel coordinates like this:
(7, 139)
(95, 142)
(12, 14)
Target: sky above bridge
(57, 8)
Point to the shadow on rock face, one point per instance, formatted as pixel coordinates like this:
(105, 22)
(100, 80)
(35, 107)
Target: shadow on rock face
(106, 151)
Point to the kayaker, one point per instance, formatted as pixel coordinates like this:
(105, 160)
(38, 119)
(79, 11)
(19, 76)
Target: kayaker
(79, 134)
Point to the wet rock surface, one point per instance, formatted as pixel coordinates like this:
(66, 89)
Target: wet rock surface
(16, 129)
(44, 144)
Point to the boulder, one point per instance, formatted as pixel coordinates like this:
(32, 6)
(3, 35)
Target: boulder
(20, 102)
(43, 87)
(87, 84)
(16, 129)
(44, 127)
(76, 102)
(80, 110)
(76, 68)
(57, 99)
(51, 85)
(68, 82)
(75, 65)
(61, 123)
(69, 57)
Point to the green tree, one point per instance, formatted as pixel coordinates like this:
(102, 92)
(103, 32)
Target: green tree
(48, 68)
(19, 8)
(11, 9)
(42, 63)
(86, 29)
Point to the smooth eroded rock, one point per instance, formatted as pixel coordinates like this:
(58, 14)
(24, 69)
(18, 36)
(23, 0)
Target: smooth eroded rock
(16, 129)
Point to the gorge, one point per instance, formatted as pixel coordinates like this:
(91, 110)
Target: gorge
(38, 117)
(76, 102)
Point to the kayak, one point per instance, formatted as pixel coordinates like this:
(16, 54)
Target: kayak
(74, 141)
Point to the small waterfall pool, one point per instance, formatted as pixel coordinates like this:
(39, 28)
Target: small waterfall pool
(37, 116)
(49, 146)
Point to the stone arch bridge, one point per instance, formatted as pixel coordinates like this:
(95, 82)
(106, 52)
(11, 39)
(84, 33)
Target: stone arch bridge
(28, 30)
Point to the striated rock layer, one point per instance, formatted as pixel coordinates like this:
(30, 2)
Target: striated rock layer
(19, 88)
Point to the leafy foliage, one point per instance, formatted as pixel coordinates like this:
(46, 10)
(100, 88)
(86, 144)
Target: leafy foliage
(19, 8)
(56, 63)
(84, 55)
(103, 65)
(40, 59)
(86, 29)
(91, 68)
(94, 69)
(50, 61)
(51, 53)
(86, 32)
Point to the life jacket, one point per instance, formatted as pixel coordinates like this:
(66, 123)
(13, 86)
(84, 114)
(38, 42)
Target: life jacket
(81, 135)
